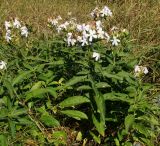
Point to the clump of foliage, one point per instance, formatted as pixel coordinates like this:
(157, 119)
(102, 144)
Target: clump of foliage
(58, 93)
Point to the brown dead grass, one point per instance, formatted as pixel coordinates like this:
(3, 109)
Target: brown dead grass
(140, 17)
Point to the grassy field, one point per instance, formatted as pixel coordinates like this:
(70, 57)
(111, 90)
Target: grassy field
(141, 18)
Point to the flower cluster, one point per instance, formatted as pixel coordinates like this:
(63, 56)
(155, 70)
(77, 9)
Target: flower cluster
(15, 24)
(140, 70)
(86, 33)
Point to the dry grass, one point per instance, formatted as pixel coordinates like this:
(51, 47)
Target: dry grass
(140, 17)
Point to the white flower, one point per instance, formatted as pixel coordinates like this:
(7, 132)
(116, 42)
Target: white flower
(92, 34)
(54, 22)
(16, 23)
(70, 40)
(85, 34)
(79, 38)
(96, 56)
(98, 24)
(145, 70)
(59, 18)
(100, 33)
(24, 31)
(7, 25)
(8, 35)
(84, 41)
(105, 12)
(59, 28)
(114, 28)
(106, 36)
(115, 41)
(85, 27)
(64, 25)
(139, 70)
(79, 28)
(3, 65)
(95, 12)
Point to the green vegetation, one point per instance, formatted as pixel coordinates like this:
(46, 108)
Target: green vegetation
(53, 92)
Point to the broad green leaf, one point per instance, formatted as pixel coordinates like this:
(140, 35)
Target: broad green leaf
(17, 112)
(118, 97)
(117, 142)
(79, 136)
(21, 77)
(129, 120)
(59, 62)
(100, 103)
(148, 141)
(24, 121)
(84, 72)
(96, 138)
(100, 126)
(75, 114)
(59, 138)
(127, 144)
(49, 120)
(12, 127)
(39, 93)
(141, 128)
(3, 141)
(52, 91)
(37, 85)
(73, 101)
(114, 76)
(10, 88)
(3, 113)
(102, 85)
(84, 87)
(75, 80)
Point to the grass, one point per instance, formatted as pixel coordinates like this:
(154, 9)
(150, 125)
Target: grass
(141, 18)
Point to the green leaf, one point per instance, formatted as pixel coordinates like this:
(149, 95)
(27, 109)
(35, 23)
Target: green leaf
(59, 138)
(49, 120)
(12, 127)
(10, 88)
(73, 101)
(39, 93)
(141, 128)
(100, 126)
(75, 80)
(75, 114)
(3, 113)
(114, 76)
(21, 77)
(117, 142)
(113, 96)
(24, 121)
(100, 103)
(79, 136)
(84, 87)
(129, 120)
(37, 85)
(17, 112)
(3, 140)
(59, 62)
(96, 138)
(102, 85)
